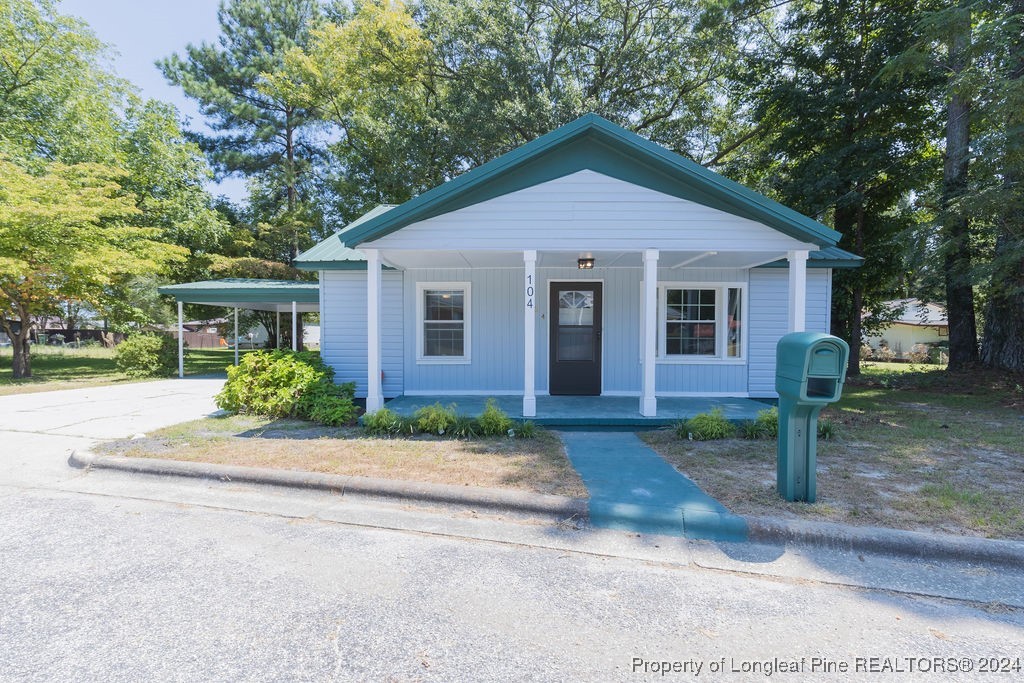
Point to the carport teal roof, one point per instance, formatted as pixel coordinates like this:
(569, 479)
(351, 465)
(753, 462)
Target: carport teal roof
(829, 257)
(589, 142)
(244, 292)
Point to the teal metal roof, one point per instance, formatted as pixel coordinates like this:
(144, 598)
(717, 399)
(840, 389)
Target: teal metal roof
(231, 291)
(594, 143)
(332, 254)
(829, 257)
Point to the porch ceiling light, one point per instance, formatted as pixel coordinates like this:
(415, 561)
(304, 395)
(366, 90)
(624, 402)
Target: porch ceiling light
(585, 263)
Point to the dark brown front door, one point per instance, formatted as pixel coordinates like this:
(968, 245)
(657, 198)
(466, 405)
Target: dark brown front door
(575, 338)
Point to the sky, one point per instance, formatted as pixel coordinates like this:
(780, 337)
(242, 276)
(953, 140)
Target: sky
(141, 31)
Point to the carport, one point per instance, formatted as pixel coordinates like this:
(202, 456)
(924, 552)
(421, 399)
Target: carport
(294, 296)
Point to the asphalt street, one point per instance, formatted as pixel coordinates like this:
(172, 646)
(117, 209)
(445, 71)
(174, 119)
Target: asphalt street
(116, 577)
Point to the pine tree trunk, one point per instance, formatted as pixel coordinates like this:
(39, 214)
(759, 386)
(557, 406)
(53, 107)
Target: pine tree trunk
(1003, 343)
(963, 331)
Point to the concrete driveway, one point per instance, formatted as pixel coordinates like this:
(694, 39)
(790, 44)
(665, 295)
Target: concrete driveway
(39, 431)
(112, 412)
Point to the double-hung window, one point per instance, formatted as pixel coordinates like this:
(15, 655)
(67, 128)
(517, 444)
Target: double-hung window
(700, 322)
(442, 310)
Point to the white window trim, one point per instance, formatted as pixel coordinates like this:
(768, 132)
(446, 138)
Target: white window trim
(721, 328)
(465, 359)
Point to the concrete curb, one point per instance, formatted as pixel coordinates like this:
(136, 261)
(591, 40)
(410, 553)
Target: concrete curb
(558, 507)
(915, 544)
(770, 530)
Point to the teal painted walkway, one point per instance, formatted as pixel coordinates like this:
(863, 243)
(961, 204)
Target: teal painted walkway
(591, 411)
(633, 489)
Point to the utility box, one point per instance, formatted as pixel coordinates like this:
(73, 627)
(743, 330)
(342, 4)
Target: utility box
(810, 369)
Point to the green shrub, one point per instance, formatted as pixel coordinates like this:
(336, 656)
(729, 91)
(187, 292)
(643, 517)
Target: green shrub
(284, 383)
(435, 419)
(765, 426)
(465, 427)
(826, 429)
(147, 355)
(494, 421)
(525, 430)
(706, 427)
(386, 422)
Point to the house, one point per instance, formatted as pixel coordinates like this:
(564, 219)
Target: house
(588, 262)
(918, 323)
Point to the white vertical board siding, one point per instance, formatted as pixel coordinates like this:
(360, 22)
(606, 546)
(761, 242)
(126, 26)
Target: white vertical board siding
(496, 319)
(768, 319)
(592, 209)
(343, 328)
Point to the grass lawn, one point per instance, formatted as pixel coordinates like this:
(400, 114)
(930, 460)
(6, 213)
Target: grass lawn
(538, 464)
(65, 367)
(916, 448)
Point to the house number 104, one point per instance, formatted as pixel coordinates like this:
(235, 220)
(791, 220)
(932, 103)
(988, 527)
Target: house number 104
(529, 291)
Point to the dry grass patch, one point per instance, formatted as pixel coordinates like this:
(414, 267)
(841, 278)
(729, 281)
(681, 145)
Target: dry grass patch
(942, 454)
(538, 464)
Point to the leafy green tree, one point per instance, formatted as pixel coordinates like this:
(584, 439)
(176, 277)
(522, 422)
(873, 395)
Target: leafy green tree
(417, 95)
(56, 100)
(844, 144)
(67, 232)
(257, 134)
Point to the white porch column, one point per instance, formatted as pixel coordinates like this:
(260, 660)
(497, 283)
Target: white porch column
(374, 393)
(181, 341)
(529, 333)
(648, 402)
(277, 336)
(236, 335)
(295, 327)
(797, 290)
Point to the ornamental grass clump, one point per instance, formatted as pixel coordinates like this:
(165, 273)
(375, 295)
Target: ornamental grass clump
(284, 383)
(765, 426)
(494, 421)
(706, 427)
(436, 419)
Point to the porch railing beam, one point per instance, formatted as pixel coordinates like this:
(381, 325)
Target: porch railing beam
(529, 333)
(374, 390)
(648, 402)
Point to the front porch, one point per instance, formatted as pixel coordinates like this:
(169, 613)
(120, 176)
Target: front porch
(592, 411)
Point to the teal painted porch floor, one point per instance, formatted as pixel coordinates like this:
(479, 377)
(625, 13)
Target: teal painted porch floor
(591, 411)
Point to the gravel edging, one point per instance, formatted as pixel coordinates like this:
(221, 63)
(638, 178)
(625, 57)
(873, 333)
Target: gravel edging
(770, 530)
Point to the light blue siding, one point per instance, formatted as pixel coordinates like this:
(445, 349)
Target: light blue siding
(768, 319)
(343, 328)
(496, 319)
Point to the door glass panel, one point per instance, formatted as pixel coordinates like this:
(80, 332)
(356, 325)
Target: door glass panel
(576, 307)
(575, 344)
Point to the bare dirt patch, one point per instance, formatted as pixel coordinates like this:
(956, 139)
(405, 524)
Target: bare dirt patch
(930, 459)
(539, 465)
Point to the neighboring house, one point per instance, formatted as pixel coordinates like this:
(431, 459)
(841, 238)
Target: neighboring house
(919, 323)
(587, 262)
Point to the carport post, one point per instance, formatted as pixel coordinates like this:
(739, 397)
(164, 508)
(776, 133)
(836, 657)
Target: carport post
(295, 327)
(181, 341)
(277, 337)
(236, 335)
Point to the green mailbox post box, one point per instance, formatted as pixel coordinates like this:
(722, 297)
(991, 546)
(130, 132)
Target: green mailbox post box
(810, 368)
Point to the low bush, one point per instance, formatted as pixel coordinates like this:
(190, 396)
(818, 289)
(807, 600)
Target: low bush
(435, 419)
(706, 427)
(147, 355)
(284, 383)
(919, 353)
(439, 420)
(765, 426)
(826, 429)
(494, 421)
(386, 422)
